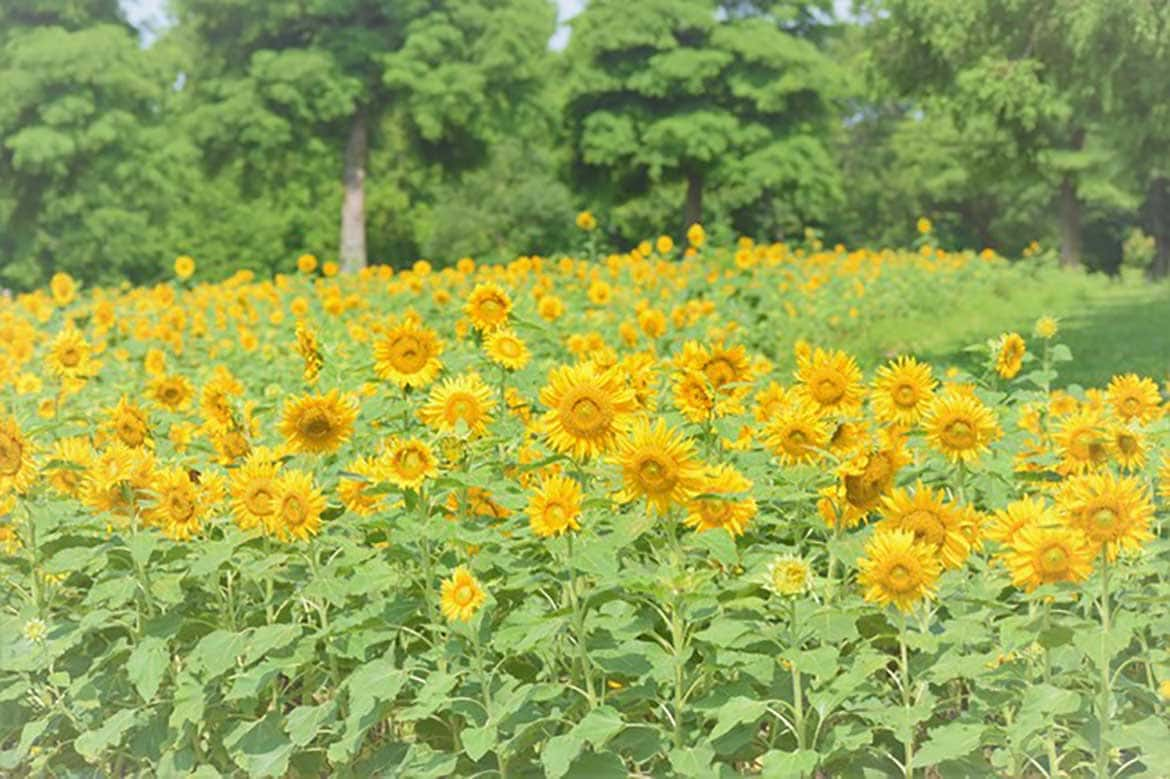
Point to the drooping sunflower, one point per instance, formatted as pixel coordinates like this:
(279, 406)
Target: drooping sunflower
(407, 463)
(352, 489)
(1045, 554)
(960, 426)
(932, 519)
(1017, 515)
(18, 468)
(798, 433)
(128, 423)
(898, 569)
(1083, 443)
(68, 356)
(173, 392)
(460, 399)
(253, 488)
(318, 423)
(408, 355)
(1134, 397)
(505, 349)
(589, 409)
(297, 507)
(831, 380)
(178, 505)
(488, 307)
(1113, 512)
(461, 596)
(554, 509)
(659, 464)
(902, 390)
(725, 502)
(1009, 355)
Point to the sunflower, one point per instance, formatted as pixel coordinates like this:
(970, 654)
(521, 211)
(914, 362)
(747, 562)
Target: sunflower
(898, 569)
(309, 348)
(902, 390)
(555, 508)
(959, 426)
(463, 399)
(184, 267)
(1134, 397)
(128, 423)
(1045, 554)
(1113, 512)
(728, 369)
(10, 543)
(797, 433)
(318, 423)
(789, 576)
(461, 596)
(68, 356)
(18, 470)
(725, 502)
(1017, 515)
(932, 519)
(770, 401)
(355, 478)
(488, 307)
(831, 380)
(1009, 355)
(297, 507)
(178, 505)
(173, 392)
(67, 463)
(408, 355)
(1129, 447)
(589, 408)
(407, 463)
(1083, 443)
(658, 463)
(694, 397)
(116, 478)
(253, 488)
(505, 349)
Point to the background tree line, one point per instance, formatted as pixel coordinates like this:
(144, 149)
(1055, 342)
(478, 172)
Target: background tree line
(386, 130)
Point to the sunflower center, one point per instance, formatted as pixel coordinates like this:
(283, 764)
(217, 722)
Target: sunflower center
(11, 454)
(555, 515)
(1053, 559)
(655, 474)
(492, 309)
(1131, 406)
(408, 354)
(900, 578)
(411, 463)
(585, 413)
(1104, 518)
(293, 510)
(720, 371)
(180, 507)
(131, 432)
(70, 356)
(1127, 444)
(464, 595)
(927, 526)
(905, 396)
(259, 498)
(508, 347)
(316, 424)
(828, 390)
(797, 440)
(960, 434)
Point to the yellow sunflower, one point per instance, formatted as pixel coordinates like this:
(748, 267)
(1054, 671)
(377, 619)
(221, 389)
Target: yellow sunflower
(488, 307)
(352, 489)
(1134, 397)
(128, 423)
(68, 460)
(1113, 512)
(505, 349)
(68, 356)
(932, 519)
(297, 507)
(554, 509)
(1083, 443)
(959, 426)
(898, 569)
(902, 390)
(407, 463)
(694, 397)
(658, 463)
(253, 488)
(1009, 355)
(589, 409)
(178, 505)
(1017, 515)
(463, 399)
(1045, 554)
(797, 433)
(18, 469)
(725, 502)
(408, 355)
(173, 392)
(831, 380)
(461, 596)
(1129, 447)
(318, 423)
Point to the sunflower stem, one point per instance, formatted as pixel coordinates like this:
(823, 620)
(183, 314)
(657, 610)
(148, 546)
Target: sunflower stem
(678, 644)
(1053, 754)
(908, 763)
(1103, 704)
(37, 586)
(797, 690)
(579, 625)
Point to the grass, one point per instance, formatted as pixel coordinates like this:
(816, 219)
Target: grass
(1111, 325)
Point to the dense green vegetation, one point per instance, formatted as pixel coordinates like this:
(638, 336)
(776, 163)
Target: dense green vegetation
(386, 130)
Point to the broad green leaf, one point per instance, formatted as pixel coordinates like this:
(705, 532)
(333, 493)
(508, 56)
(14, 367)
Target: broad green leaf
(261, 748)
(736, 712)
(304, 722)
(147, 665)
(93, 743)
(949, 742)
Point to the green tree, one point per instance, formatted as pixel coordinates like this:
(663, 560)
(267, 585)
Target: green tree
(285, 74)
(727, 101)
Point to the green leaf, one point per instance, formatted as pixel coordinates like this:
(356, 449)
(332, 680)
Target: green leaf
(735, 712)
(599, 726)
(597, 765)
(478, 741)
(261, 748)
(692, 761)
(217, 652)
(93, 743)
(141, 546)
(267, 638)
(558, 754)
(950, 742)
(147, 665)
(303, 722)
(797, 764)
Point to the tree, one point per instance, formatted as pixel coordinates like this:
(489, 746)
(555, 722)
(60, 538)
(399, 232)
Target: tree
(447, 71)
(713, 98)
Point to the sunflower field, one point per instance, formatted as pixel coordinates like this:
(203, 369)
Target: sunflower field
(593, 516)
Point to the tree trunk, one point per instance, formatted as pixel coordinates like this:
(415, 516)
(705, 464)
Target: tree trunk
(693, 207)
(353, 202)
(1070, 223)
(1159, 206)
